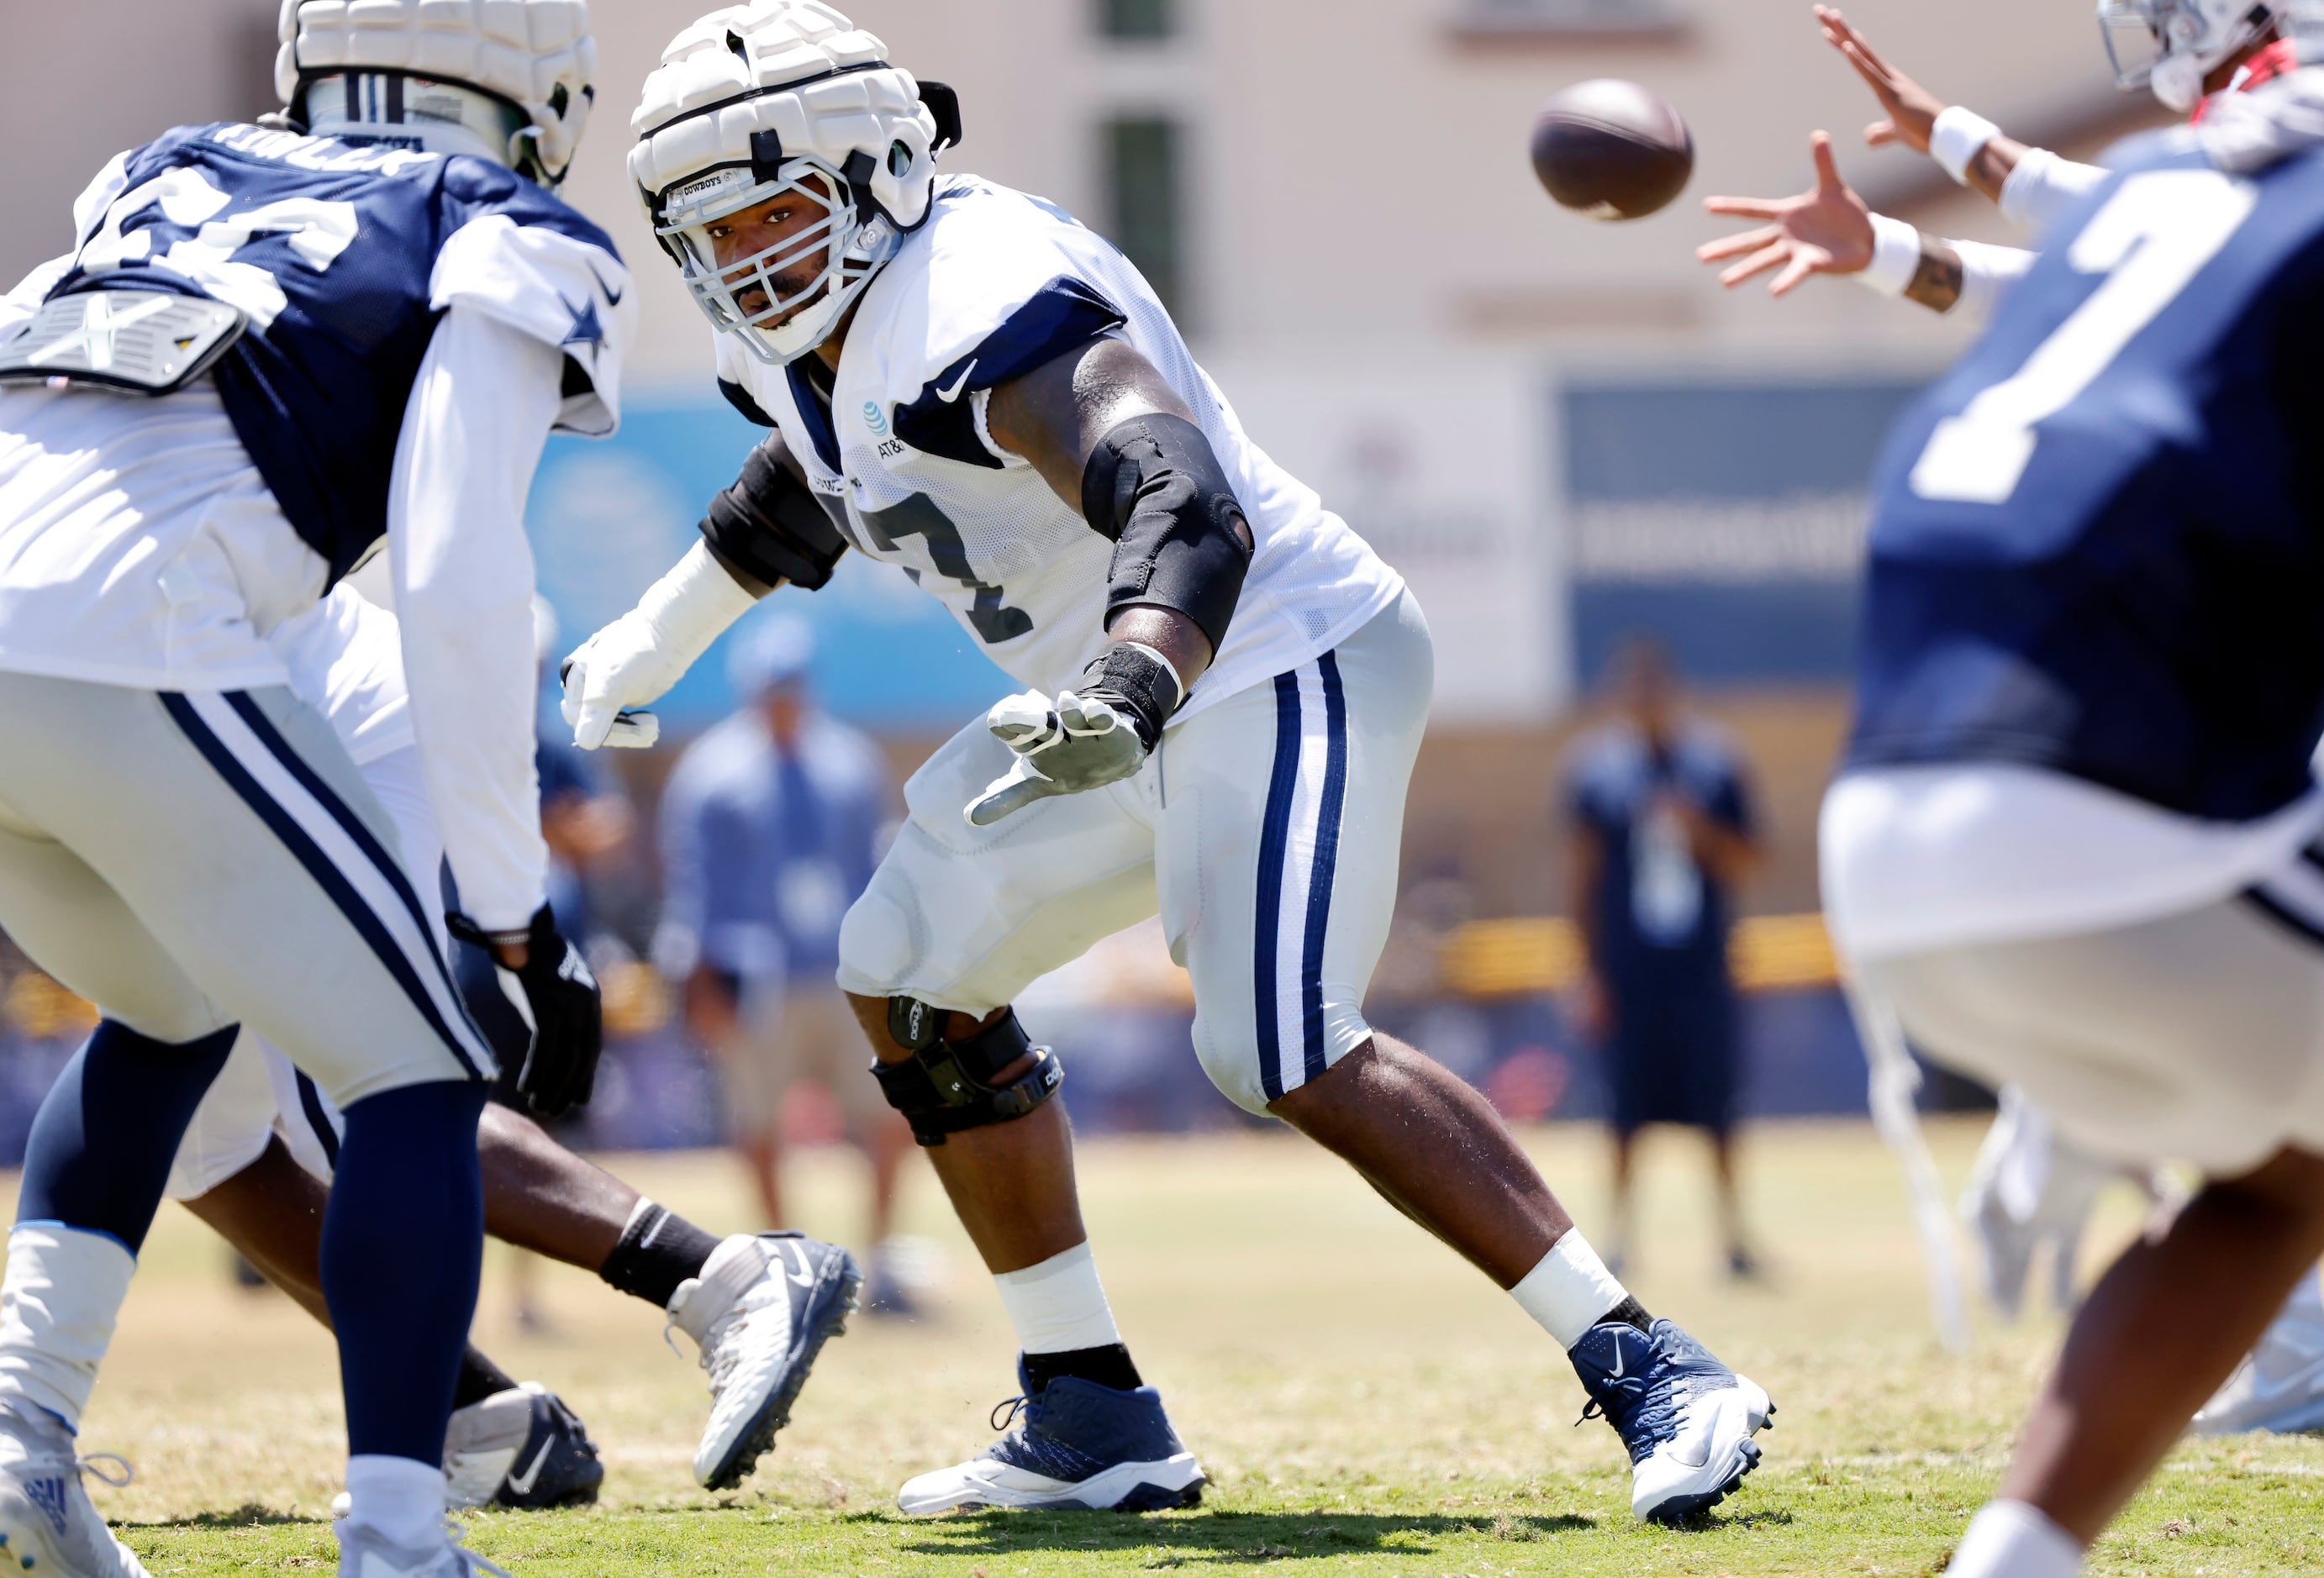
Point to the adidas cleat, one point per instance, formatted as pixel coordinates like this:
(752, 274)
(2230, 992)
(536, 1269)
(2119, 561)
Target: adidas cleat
(760, 1314)
(1687, 1419)
(48, 1525)
(1074, 1446)
(522, 1449)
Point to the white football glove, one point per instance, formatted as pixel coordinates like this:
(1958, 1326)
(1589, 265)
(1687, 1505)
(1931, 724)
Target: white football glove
(631, 662)
(1077, 742)
(609, 677)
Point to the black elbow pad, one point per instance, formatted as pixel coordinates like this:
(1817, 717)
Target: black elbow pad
(770, 526)
(1156, 489)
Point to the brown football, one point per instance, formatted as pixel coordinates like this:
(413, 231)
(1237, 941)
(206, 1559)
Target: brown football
(1612, 150)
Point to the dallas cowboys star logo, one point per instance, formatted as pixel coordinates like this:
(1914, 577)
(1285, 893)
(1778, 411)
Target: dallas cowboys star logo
(588, 328)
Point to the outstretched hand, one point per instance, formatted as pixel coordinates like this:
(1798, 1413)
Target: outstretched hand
(1825, 230)
(1913, 110)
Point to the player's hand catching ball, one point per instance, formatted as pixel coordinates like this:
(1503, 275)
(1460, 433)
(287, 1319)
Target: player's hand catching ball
(1825, 230)
(1913, 110)
(1083, 739)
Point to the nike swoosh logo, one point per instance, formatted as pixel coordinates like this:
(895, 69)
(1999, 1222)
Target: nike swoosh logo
(804, 1277)
(949, 395)
(1618, 1363)
(522, 1483)
(612, 297)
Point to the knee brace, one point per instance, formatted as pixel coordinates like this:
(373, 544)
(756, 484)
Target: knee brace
(947, 1086)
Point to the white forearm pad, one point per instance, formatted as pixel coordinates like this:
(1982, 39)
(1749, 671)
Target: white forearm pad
(2009, 1539)
(1058, 1306)
(1958, 136)
(693, 605)
(57, 1306)
(1896, 256)
(1570, 1291)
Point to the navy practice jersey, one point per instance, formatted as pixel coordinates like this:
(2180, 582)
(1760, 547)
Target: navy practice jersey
(2099, 547)
(342, 257)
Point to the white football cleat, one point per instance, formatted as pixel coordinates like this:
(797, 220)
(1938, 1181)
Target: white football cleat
(760, 1312)
(2280, 1388)
(48, 1525)
(366, 1553)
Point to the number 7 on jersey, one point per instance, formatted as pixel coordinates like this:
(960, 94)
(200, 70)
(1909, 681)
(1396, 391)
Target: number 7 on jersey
(2153, 238)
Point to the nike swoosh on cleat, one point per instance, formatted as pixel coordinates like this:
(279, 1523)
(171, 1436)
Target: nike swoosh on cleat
(949, 395)
(522, 1484)
(1618, 1363)
(804, 1277)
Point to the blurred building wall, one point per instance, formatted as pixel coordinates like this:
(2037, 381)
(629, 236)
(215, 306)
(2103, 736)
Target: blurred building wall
(1547, 424)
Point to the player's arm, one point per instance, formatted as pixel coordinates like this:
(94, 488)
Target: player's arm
(767, 529)
(1829, 230)
(478, 418)
(1114, 440)
(2033, 184)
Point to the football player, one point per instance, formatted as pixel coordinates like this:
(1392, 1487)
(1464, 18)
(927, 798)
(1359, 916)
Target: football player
(268, 354)
(2031, 1185)
(260, 1151)
(2074, 843)
(1226, 691)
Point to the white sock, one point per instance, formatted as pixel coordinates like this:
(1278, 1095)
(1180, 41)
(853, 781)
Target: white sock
(2009, 1539)
(1058, 1306)
(1570, 1291)
(58, 1305)
(401, 1497)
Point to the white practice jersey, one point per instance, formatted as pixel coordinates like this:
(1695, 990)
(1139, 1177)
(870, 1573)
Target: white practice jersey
(157, 542)
(344, 658)
(994, 285)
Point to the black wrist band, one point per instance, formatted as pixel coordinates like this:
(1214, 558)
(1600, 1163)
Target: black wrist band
(1149, 686)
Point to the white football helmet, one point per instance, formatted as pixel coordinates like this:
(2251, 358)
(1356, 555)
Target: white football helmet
(776, 97)
(2172, 45)
(509, 80)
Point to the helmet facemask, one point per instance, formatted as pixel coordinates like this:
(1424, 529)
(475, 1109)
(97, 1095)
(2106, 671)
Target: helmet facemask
(779, 300)
(2172, 46)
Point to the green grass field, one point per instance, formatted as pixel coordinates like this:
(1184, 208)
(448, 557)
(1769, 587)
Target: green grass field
(1363, 1402)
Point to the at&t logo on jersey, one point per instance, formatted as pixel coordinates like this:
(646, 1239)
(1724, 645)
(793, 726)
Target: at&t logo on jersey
(875, 419)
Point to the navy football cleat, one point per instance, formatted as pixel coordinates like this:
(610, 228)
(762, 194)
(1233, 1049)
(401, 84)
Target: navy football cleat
(521, 1448)
(1687, 1419)
(1076, 1446)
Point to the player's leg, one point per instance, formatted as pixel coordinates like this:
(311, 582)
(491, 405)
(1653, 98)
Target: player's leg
(955, 922)
(755, 1072)
(825, 1045)
(758, 1307)
(82, 1213)
(1622, 1204)
(1277, 861)
(264, 869)
(2194, 1035)
(2281, 1386)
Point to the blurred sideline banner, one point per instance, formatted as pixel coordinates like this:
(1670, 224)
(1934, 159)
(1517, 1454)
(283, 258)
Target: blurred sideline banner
(1440, 467)
(607, 518)
(1728, 519)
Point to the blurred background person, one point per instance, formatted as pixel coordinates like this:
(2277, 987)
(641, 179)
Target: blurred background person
(771, 826)
(1661, 832)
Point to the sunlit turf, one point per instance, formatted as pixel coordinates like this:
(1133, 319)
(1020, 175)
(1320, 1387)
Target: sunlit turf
(1363, 1402)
